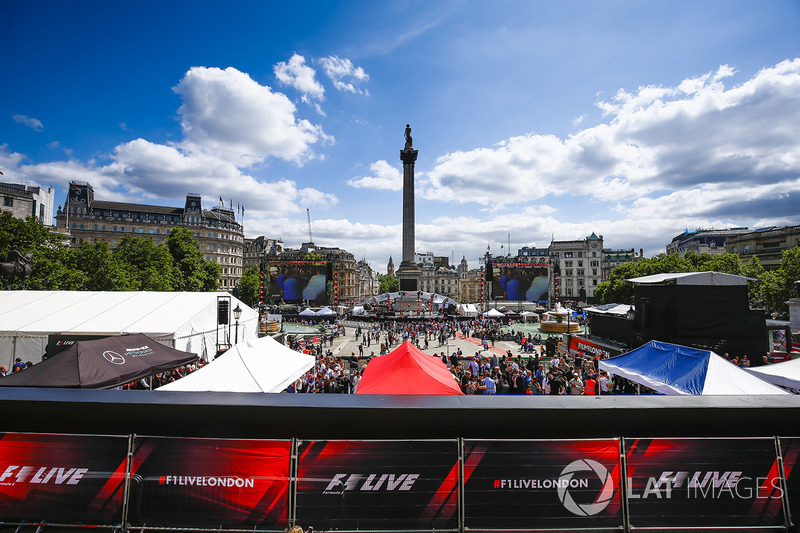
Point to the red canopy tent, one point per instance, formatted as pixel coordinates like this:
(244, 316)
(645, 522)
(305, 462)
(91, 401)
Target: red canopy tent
(407, 370)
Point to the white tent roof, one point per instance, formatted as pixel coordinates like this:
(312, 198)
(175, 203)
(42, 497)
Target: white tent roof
(694, 278)
(307, 312)
(609, 309)
(325, 311)
(259, 365)
(786, 374)
(493, 313)
(680, 370)
(182, 320)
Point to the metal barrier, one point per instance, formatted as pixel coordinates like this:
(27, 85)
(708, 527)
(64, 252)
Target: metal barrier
(455, 485)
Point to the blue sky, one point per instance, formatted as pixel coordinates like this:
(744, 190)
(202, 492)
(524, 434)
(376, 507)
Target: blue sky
(533, 120)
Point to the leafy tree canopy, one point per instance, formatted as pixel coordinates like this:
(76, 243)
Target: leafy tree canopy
(771, 289)
(388, 284)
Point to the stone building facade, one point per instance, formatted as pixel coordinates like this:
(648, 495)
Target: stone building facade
(24, 201)
(766, 243)
(219, 236)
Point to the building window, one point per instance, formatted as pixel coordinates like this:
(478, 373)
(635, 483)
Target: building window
(95, 227)
(594, 272)
(746, 248)
(567, 263)
(114, 228)
(567, 254)
(141, 230)
(151, 231)
(594, 282)
(8, 201)
(580, 263)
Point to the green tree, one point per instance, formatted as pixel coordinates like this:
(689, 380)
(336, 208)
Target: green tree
(388, 284)
(149, 266)
(192, 272)
(54, 269)
(27, 236)
(250, 285)
(100, 268)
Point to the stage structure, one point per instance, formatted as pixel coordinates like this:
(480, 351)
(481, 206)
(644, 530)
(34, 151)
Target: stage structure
(410, 304)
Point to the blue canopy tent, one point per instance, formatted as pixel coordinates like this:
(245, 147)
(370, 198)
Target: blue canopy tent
(679, 370)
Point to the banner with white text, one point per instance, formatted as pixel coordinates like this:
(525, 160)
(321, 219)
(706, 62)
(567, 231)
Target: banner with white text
(703, 482)
(378, 485)
(210, 483)
(542, 484)
(62, 478)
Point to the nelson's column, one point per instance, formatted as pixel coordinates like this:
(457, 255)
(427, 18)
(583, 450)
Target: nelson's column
(408, 273)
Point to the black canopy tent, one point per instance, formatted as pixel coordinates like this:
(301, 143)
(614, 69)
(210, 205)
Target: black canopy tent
(101, 364)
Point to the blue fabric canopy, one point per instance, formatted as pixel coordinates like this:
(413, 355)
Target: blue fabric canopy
(674, 369)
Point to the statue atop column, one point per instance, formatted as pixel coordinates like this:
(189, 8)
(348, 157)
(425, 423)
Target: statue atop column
(409, 140)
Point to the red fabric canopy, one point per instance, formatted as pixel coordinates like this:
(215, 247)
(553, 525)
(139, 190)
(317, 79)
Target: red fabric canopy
(407, 370)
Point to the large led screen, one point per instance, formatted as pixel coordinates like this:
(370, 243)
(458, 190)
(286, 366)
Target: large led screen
(299, 281)
(519, 282)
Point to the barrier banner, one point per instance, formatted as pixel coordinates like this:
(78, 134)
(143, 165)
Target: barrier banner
(542, 484)
(790, 450)
(703, 482)
(209, 482)
(378, 485)
(62, 478)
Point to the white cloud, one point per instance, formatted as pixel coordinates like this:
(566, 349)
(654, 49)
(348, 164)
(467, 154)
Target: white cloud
(295, 73)
(385, 177)
(227, 115)
(33, 123)
(344, 75)
(698, 136)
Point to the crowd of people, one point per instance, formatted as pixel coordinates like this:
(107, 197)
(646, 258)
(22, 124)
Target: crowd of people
(528, 372)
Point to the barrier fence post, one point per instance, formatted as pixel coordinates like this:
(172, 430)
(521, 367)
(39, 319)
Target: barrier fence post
(126, 490)
(623, 488)
(461, 510)
(293, 481)
(787, 515)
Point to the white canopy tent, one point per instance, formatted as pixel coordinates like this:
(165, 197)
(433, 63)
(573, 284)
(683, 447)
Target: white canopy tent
(259, 365)
(785, 374)
(680, 370)
(493, 313)
(694, 278)
(610, 309)
(183, 320)
(467, 310)
(307, 312)
(325, 311)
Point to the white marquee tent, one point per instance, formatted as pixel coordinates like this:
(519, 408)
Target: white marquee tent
(785, 374)
(183, 320)
(259, 365)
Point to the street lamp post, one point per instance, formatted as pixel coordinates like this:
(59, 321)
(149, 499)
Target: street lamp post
(237, 314)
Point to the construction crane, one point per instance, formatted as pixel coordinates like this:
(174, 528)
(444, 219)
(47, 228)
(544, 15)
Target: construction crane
(308, 214)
